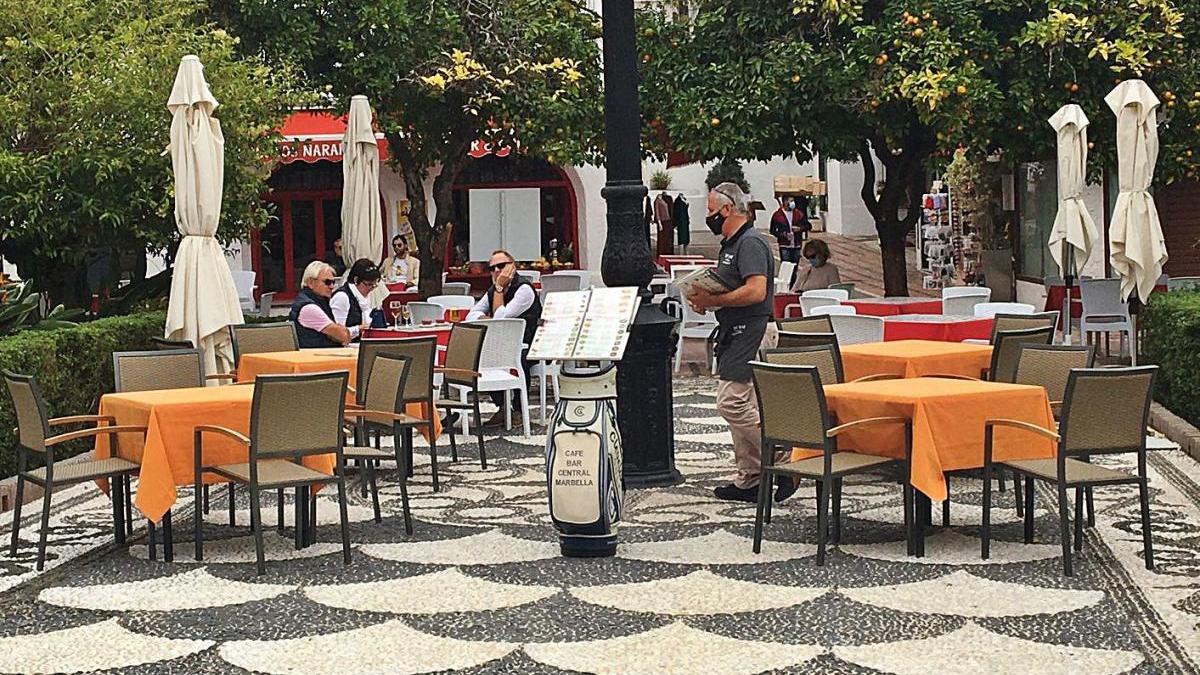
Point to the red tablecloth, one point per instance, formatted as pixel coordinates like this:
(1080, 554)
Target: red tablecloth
(894, 306)
(936, 327)
(783, 300)
(396, 300)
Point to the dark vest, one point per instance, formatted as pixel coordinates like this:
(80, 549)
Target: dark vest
(308, 337)
(354, 317)
(532, 316)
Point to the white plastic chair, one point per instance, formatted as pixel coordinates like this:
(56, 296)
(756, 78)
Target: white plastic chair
(420, 312)
(543, 370)
(783, 281)
(533, 276)
(500, 368)
(697, 326)
(962, 305)
(807, 305)
(833, 310)
(453, 301)
(1103, 309)
(852, 329)
(456, 288)
(585, 277)
(839, 294)
(987, 310)
(556, 283)
(243, 280)
(965, 291)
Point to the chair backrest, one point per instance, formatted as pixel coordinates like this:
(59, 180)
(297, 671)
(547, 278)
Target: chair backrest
(791, 405)
(554, 283)
(807, 305)
(257, 338)
(158, 369)
(502, 343)
(677, 272)
(839, 294)
(426, 311)
(833, 310)
(385, 390)
(788, 339)
(265, 302)
(854, 329)
(456, 288)
(826, 358)
(1106, 410)
(33, 424)
(163, 343)
(1006, 351)
(786, 269)
(297, 415)
(986, 310)
(420, 352)
(464, 351)
(847, 286)
(243, 281)
(962, 305)
(532, 275)
(1049, 366)
(1102, 297)
(967, 291)
(585, 277)
(453, 301)
(1023, 321)
(820, 323)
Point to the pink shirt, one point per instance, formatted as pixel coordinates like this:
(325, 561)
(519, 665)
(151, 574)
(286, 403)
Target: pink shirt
(313, 318)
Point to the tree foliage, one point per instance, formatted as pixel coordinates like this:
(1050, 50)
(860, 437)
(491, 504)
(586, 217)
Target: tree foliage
(727, 170)
(904, 83)
(442, 74)
(83, 93)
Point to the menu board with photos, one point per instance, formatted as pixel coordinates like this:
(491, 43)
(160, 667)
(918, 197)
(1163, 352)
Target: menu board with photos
(587, 325)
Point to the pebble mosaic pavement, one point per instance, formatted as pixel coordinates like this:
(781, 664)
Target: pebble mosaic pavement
(480, 587)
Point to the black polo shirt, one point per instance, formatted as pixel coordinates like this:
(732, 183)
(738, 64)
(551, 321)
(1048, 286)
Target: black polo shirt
(747, 253)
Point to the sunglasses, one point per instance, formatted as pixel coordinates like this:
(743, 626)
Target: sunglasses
(398, 245)
(498, 266)
(329, 282)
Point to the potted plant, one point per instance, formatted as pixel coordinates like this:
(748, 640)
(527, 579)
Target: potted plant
(975, 194)
(660, 180)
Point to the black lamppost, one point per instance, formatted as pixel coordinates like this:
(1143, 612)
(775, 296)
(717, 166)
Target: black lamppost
(645, 411)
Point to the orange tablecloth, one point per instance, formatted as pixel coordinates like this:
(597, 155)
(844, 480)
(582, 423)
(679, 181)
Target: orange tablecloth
(948, 422)
(914, 358)
(166, 455)
(316, 361)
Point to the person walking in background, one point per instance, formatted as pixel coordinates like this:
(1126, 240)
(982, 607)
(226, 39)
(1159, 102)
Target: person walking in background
(819, 272)
(744, 326)
(784, 230)
(351, 303)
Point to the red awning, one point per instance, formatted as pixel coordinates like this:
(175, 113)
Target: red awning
(315, 135)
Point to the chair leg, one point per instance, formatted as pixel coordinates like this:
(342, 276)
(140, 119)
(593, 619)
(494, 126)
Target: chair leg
(837, 511)
(985, 527)
(542, 394)
(1064, 527)
(453, 444)
(345, 517)
(205, 491)
(906, 491)
(49, 489)
(1091, 506)
(128, 490)
(256, 527)
(198, 520)
(1018, 494)
(279, 510)
(1079, 519)
(770, 485)
(524, 396)
(16, 521)
(232, 508)
(433, 458)
(822, 520)
(479, 433)
(301, 511)
(508, 410)
(764, 489)
(402, 470)
(168, 538)
(1147, 544)
(117, 484)
(1029, 509)
(374, 491)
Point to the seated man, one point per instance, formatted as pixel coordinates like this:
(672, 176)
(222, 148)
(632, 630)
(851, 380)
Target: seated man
(311, 312)
(400, 267)
(334, 258)
(511, 296)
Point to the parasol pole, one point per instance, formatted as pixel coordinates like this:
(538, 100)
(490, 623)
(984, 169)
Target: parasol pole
(1069, 280)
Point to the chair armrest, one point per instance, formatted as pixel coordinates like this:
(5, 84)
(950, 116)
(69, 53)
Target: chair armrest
(224, 431)
(952, 376)
(376, 416)
(870, 421)
(350, 388)
(787, 313)
(875, 378)
(456, 371)
(1025, 426)
(76, 419)
(93, 431)
(221, 376)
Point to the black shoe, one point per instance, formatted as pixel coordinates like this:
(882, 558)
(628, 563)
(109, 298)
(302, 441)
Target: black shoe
(785, 486)
(733, 493)
(450, 420)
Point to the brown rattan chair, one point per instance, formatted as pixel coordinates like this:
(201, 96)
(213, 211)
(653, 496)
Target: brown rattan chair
(163, 343)
(1005, 322)
(806, 324)
(258, 338)
(292, 417)
(793, 414)
(463, 355)
(789, 339)
(34, 439)
(1104, 411)
(382, 407)
(1006, 350)
(826, 358)
(418, 388)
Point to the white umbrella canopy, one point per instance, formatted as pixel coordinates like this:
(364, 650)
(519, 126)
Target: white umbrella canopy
(1074, 228)
(362, 220)
(1135, 234)
(204, 299)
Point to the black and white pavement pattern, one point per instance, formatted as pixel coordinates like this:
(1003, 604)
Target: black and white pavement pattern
(480, 586)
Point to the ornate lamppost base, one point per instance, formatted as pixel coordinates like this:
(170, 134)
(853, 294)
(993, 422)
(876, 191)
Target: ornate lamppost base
(645, 405)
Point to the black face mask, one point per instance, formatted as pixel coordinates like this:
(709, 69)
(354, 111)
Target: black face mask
(715, 222)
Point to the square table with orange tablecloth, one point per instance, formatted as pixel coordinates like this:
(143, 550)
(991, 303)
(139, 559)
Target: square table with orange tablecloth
(316, 361)
(914, 358)
(166, 454)
(948, 423)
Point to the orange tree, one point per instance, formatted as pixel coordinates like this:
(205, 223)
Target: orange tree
(440, 75)
(902, 84)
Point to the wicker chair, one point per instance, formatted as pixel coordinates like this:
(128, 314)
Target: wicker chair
(292, 417)
(788, 339)
(1105, 411)
(382, 407)
(793, 413)
(425, 311)
(1006, 351)
(1023, 322)
(826, 358)
(163, 343)
(463, 354)
(857, 330)
(806, 324)
(257, 338)
(418, 388)
(34, 438)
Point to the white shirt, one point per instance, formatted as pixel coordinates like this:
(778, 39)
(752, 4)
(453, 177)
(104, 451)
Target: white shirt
(522, 301)
(340, 305)
(399, 270)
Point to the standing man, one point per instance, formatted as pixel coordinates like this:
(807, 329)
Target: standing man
(746, 265)
(511, 296)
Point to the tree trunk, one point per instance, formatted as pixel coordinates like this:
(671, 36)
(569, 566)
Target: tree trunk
(904, 184)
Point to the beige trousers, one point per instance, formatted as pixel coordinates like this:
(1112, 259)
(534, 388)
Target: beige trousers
(737, 404)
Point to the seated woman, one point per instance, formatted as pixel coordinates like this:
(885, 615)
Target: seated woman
(351, 304)
(311, 313)
(819, 272)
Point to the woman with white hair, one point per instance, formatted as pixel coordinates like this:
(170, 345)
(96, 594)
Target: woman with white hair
(311, 312)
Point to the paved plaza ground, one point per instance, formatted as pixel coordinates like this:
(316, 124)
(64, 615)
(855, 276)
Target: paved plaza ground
(480, 586)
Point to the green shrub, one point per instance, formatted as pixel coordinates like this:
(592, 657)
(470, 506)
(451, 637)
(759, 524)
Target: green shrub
(1171, 339)
(73, 367)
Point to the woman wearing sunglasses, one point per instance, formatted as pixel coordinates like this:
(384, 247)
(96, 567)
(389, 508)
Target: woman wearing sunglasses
(311, 312)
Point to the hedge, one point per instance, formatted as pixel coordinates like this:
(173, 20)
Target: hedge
(1171, 339)
(73, 367)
